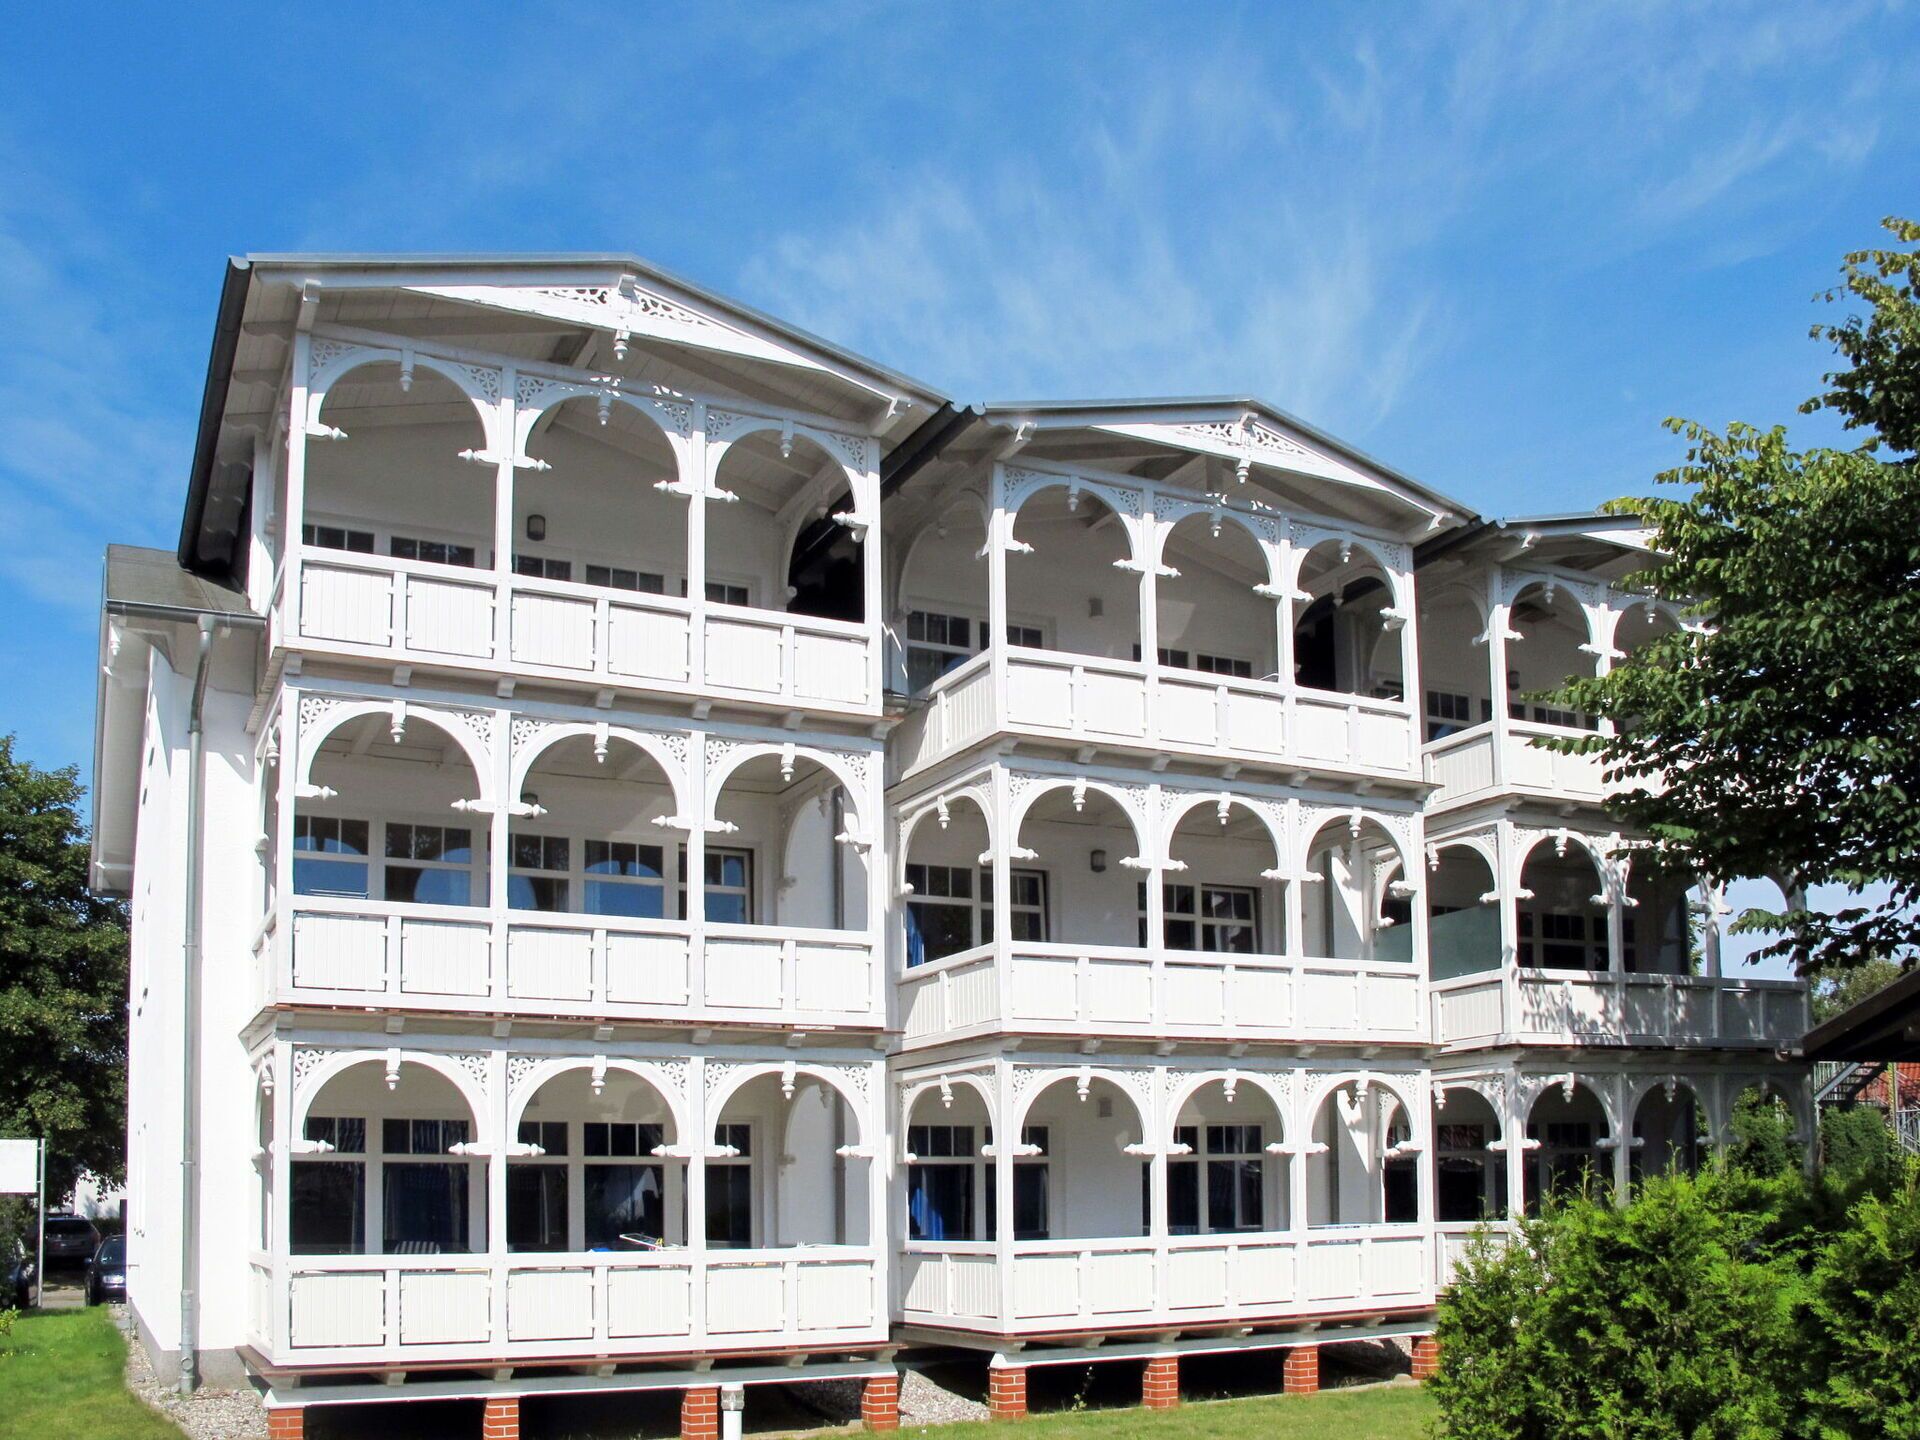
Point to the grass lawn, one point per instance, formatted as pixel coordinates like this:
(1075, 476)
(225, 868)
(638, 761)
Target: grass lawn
(61, 1378)
(1373, 1412)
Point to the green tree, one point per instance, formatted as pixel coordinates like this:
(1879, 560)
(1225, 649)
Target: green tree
(63, 981)
(1857, 1147)
(1863, 1311)
(1844, 989)
(1763, 1136)
(1787, 722)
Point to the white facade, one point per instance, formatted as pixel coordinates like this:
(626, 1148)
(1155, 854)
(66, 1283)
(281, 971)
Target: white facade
(662, 774)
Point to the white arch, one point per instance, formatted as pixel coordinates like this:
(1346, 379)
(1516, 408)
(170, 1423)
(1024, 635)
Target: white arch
(1641, 1088)
(648, 742)
(747, 1074)
(555, 393)
(322, 379)
(652, 1075)
(1394, 1085)
(1017, 821)
(838, 764)
(1200, 1080)
(1165, 525)
(970, 501)
(1107, 495)
(1603, 866)
(1367, 822)
(1604, 1095)
(1066, 1075)
(823, 440)
(914, 1093)
(1555, 589)
(910, 825)
(315, 1080)
(338, 715)
(1299, 555)
(1191, 801)
(1487, 1090)
(1484, 846)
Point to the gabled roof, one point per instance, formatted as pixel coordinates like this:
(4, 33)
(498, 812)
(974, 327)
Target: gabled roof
(152, 582)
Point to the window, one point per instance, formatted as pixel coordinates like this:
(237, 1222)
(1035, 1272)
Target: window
(541, 567)
(337, 537)
(421, 1137)
(1026, 637)
(943, 918)
(612, 577)
(347, 1135)
(1447, 714)
(438, 552)
(625, 877)
(538, 877)
(941, 1182)
(936, 643)
(1027, 908)
(424, 1201)
(1564, 941)
(721, 593)
(536, 1205)
(1224, 665)
(429, 864)
(1218, 919)
(315, 836)
(326, 1207)
(1030, 1220)
(1220, 1188)
(730, 1190)
(729, 886)
(623, 1184)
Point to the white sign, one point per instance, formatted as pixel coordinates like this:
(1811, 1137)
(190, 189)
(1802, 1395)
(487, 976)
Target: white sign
(19, 1167)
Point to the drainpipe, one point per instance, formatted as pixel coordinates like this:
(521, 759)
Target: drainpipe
(190, 1029)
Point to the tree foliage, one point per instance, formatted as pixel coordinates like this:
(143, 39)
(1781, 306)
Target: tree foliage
(1786, 719)
(63, 981)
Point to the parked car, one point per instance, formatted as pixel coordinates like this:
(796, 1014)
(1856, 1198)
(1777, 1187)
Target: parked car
(107, 1271)
(18, 1285)
(71, 1240)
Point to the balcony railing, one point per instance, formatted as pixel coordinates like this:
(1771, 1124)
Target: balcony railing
(381, 1309)
(1160, 994)
(1452, 1243)
(1059, 1284)
(423, 613)
(1157, 708)
(1554, 1007)
(333, 951)
(1477, 762)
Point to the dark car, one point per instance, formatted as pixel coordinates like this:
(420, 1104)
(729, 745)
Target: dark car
(18, 1287)
(107, 1271)
(71, 1240)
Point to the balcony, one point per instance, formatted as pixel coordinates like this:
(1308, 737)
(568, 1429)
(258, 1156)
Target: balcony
(420, 613)
(1059, 989)
(1488, 760)
(402, 1309)
(1057, 1285)
(1156, 709)
(339, 951)
(1551, 1007)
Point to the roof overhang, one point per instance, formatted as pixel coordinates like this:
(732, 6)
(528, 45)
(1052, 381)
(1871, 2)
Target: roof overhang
(1883, 1027)
(1623, 537)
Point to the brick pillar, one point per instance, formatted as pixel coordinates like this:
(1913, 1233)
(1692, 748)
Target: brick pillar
(500, 1420)
(1160, 1388)
(1426, 1357)
(880, 1403)
(700, 1413)
(286, 1422)
(1006, 1391)
(1301, 1374)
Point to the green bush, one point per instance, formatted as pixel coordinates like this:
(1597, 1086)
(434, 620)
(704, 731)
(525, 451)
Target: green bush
(1857, 1147)
(1861, 1318)
(1763, 1136)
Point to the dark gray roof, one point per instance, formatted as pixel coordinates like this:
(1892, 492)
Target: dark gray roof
(153, 580)
(1885, 1026)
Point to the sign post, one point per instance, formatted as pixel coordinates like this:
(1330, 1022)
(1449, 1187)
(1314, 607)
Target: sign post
(23, 1171)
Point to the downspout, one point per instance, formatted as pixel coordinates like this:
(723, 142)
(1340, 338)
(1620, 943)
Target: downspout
(190, 1028)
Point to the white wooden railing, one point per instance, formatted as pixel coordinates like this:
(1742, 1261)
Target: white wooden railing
(384, 1308)
(1076, 989)
(1453, 1241)
(1560, 1007)
(1154, 707)
(415, 611)
(1481, 760)
(1182, 1279)
(335, 951)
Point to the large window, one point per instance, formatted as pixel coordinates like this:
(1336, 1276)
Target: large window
(537, 1189)
(1220, 919)
(439, 552)
(1220, 1187)
(429, 864)
(942, 1183)
(1030, 1181)
(1555, 940)
(729, 885)
(730, 1189)
(424, 1198)
(538, 877)
(330, 856)
(326, 1212)
(952, 909)
(624, 1186)
(938, 642)
(625, 878)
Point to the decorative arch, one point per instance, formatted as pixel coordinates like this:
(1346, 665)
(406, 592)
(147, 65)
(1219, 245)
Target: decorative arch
(1024, 485)
(1394, 1085)
(911, 1095)
(1025, 799)
(1354, 818)
(1308, 543)
(1180, 804)
(1023, 1104)
(1258, 529)
(744, 1074)
(843, 767)
(536, 400)
(727, 429)
(320, 720)
(1484, 845)
(909, 825)
(332, 362)
(1604, 866)
(1278, 1095)
(1493, 1092)
(309, 1084)
(655, 746)
(1605, 1096)
(658, 1078)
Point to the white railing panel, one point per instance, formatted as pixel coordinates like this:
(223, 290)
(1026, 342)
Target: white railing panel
(832, 977)
(1045, 989)
(1118, 992)
(339, 952)
(1196, 997)
(550, 1305)
(830, 667)
(1461, 764)
(1256, 723)
(1320, 730)
(972, 996)
(1119, 1282)
(444, 1307)
(647, 644)
(448, 617)
(553, 630)
(352, 606)
(1263, 1275)
(1039, 695)
(1329, 1000)
(549, 964)
(336, 1310)
(1112, 704)
(1188, 715)
(745, 1297)
(743, 656)
(647, 969)
(1382, 740)
(445, 958)
(834, 1296)
(648, 1301)
(1333, 1269)
(1045, 1286)
(744, 974)
(1396, 1265)
(1469, 1012)
(1197, 1279)
(1262, 994)
(1391, 1002)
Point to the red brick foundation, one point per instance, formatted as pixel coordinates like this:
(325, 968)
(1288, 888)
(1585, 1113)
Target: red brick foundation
(700, 1414)
(880, 1403)
(286, 1422)
(500, 1420)
(1006, 1391)
(1426, 1357)
(1160, 1386)
(1301, 1373)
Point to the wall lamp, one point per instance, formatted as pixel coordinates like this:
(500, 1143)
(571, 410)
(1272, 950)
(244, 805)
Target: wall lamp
(536, 527)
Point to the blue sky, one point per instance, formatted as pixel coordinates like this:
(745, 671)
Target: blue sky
(1494, 245)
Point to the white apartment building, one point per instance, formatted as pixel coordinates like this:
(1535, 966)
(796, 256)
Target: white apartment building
(665, 855)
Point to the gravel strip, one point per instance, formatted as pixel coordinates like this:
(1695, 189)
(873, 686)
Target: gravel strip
(209, 1413)
(923, 1402)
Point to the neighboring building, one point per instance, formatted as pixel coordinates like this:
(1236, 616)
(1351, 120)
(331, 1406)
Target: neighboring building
(713, 865)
